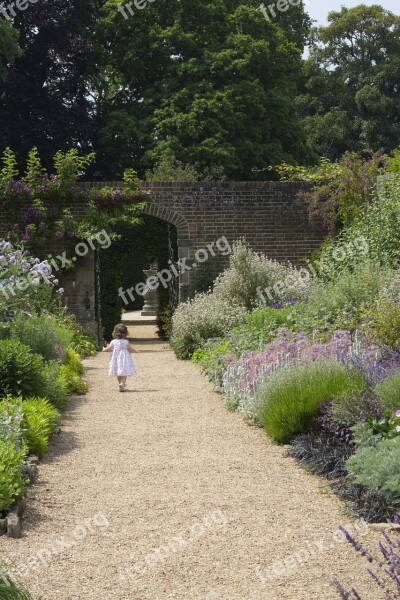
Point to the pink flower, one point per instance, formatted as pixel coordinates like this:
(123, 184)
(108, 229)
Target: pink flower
(397, 414)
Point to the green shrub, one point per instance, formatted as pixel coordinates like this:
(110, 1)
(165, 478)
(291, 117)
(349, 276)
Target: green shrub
(84, 345)
(289, 399)
(81, 343)
(250, 271)
(55, 388)
(74, 383)
(257, 329)
(11, 419)
(21, 371)
(376, 468)
(37, 332)
(10, 590)
(12, 485)
(341, 303)
(350, 407)
(40, 420)
(388, 392)
(384, 317)
(202, 318)
(212, 358)
(72, 360)
(379, 229)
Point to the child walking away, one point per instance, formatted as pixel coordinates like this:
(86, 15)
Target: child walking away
(121, 363)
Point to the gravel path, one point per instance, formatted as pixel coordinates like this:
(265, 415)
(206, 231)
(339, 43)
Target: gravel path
(161, 494)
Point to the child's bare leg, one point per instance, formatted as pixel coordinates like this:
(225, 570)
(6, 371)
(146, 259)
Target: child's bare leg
(119, 378)
(123, 380)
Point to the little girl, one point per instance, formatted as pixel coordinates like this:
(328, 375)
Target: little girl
(121, 363)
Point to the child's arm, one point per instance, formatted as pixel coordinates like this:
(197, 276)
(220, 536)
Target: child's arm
(108, 348)
(132, 350)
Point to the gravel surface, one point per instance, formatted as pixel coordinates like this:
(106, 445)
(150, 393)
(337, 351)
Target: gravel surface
(159, 493)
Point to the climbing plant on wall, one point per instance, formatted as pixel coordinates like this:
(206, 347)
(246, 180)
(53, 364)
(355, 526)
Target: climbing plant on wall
(39, 204)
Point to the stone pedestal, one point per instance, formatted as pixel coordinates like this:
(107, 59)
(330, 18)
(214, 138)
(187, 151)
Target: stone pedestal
(150, 295)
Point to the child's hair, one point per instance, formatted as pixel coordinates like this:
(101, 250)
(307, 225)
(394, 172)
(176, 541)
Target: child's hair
(120, 331)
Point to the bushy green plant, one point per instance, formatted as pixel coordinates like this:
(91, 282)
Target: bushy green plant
(377, 230)
(212, 358)
(376, 467)
(72, 360)
(249, 272)
(21, 371)
(38, 332)
(342, 190)
(84, 345)
(350, 407)
(10, 590)
(12, 485)
(388, 392)
(384, 316)
(342, 302)
(55, 388)
(204, 317)
(289, 399)
(40, 420)
(257, 329)
(72, 380)
(11, 418)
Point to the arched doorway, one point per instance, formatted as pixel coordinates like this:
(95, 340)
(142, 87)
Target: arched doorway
(184, 242)
(120, 278)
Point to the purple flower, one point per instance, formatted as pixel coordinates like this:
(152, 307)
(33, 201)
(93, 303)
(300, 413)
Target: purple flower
(59, 235)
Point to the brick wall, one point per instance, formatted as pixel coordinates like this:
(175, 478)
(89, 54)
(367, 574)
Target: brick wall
(265, 214)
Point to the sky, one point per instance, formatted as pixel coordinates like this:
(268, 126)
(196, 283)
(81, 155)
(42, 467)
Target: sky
(319, 9)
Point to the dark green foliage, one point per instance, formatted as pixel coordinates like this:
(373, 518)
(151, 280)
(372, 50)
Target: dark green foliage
(21, 371)
(44, 100)
(212, 83)
(9, 49)
(351, 100)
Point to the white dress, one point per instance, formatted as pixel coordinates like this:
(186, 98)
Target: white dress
(121, 363)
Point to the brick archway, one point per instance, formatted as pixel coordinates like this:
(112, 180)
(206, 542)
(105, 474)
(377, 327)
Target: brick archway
(184, 241)
(166, 214)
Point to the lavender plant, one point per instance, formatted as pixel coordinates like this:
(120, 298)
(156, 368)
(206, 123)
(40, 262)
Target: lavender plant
(383, 569)
(243, 376)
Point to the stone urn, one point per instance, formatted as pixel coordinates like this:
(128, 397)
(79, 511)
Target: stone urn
(150, 295)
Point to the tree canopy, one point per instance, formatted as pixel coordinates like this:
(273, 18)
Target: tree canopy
(44, 98)
(351, 99)
(213, 82)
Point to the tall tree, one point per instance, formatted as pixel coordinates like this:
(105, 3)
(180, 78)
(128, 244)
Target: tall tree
(351, 99)
(9, 48)
(44, 98)
(212, 81)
